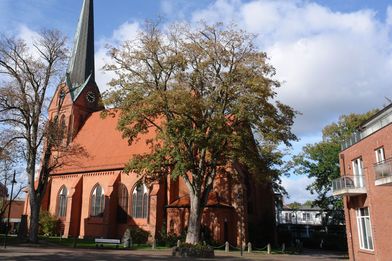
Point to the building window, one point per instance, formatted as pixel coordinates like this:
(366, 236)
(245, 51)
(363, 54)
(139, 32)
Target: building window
(364, 229)
(62, 202)
(122, 207)
(380, 157)
(97, 201)
(357, 167)
(306, 216)
(287, 217)
(140, 201)
(358, 172)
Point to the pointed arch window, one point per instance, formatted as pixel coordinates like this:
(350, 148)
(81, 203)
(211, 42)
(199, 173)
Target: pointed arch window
(62, 122)
(97, 201)
(122, 207)
(62, 202)
(140, 201)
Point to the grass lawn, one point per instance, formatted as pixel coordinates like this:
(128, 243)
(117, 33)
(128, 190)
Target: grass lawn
(12, 240)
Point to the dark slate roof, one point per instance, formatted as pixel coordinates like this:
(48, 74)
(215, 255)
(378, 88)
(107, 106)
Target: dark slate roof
(81, 66)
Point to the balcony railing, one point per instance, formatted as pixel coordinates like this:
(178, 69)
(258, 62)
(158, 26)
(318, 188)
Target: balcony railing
(383, 172)
(349, 186)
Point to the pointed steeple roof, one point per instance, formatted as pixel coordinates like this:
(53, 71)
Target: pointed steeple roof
(81, 66)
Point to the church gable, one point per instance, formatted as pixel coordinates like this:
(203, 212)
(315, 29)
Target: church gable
(104, 145)
(89, 99)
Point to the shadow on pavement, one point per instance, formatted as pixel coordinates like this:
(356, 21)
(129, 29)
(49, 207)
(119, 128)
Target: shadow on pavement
(33, 254)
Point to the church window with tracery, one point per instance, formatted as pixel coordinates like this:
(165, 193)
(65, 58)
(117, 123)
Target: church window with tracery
(140, 201)
(97, 201)
(62, 202)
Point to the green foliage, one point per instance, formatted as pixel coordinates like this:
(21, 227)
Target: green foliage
(294, 205)
(321, 160)
(195, 250)
(138, 235)
(205, 92)
(48, 224)
(309, 203)
(169, 239)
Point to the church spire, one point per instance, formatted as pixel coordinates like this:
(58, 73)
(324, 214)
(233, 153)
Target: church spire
(81, 66)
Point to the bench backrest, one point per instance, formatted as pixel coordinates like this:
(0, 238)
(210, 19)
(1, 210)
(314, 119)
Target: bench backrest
(105, 240)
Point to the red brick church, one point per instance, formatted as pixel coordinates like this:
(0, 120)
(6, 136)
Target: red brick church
(93, 197)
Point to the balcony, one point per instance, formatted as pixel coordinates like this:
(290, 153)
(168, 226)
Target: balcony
(349, 186)
(383, 172)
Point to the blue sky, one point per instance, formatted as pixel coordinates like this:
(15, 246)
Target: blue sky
(332, 56)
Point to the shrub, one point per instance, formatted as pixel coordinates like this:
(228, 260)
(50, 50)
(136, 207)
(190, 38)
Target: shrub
(48, 224)
(190, 250)
(138, 235)
(169, 239)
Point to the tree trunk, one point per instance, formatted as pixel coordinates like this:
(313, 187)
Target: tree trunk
(34, 220)
(194, 224)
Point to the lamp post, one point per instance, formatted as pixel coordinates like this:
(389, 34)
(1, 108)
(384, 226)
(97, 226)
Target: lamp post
(9, 210)
(239, 198)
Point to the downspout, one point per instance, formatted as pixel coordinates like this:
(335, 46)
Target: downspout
(348, 210)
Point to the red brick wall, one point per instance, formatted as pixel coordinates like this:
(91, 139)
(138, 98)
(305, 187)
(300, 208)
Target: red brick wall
(377, 197)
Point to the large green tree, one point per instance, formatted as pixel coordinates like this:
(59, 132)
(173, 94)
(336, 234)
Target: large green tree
(205, 91)
(320, 161)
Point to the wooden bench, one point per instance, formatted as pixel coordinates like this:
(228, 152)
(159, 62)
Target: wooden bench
(102, 241)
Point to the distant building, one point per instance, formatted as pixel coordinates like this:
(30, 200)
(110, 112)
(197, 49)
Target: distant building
(365, 184)
(305, 215)
(17, 208)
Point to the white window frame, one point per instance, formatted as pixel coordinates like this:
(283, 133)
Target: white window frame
(365, 227)
(358, 171)
(380, 155)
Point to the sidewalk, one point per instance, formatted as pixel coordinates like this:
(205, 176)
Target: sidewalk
(57, 254)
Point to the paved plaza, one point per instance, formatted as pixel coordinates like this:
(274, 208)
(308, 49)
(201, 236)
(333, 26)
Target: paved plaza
(57, 254)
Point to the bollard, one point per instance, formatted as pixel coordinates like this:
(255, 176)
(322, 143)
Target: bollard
(178, 243)
(154, 244)
(249, 247)
(269, 249)
(227, 247)
(283, 247)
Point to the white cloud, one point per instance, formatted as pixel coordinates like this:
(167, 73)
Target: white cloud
(296, 187)
(28, 35)
(389, 16)
(124, 32)
(330, 62)
(221, 11)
